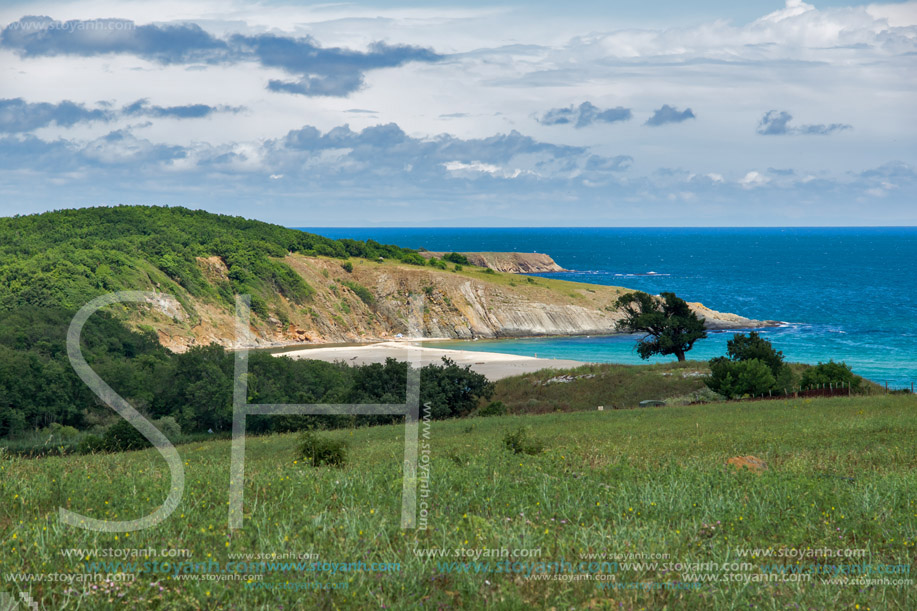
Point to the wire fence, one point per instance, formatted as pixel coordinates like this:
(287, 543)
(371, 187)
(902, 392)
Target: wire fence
(833, 390)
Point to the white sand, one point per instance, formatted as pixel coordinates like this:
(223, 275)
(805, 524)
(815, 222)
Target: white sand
(492, 364)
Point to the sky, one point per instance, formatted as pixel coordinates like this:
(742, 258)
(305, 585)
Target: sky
(536, 113)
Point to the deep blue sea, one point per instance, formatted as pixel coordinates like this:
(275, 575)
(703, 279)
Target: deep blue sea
(848, 294)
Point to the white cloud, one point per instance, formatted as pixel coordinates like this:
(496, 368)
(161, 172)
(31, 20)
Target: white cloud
(459, 167)
(509, 67)
(754, 179)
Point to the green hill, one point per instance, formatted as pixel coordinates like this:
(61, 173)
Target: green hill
(66, 257)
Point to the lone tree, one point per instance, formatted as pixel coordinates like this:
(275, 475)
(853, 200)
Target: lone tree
(753, 367)
(670, 325)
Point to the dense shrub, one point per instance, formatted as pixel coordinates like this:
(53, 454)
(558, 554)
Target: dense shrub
(348, 267)
(59, 432)
(735, 379)
(169, 427)
(494, 408)
(91, 444)
(454, 257)
(122, 436)
(12, 422)
(451, 390)
(412, 258)
(744, 347)
(825, 374)
(361, 291)
(191, 392)
(521, 441)
(316, 450)
(752, 368)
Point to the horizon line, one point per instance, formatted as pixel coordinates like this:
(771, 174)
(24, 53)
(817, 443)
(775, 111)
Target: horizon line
(604, 227)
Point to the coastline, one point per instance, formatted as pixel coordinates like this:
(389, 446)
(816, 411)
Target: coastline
(494, 365)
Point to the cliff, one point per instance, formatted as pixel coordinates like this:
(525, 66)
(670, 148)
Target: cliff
(463, 305)
(510, 262)
(304, 288)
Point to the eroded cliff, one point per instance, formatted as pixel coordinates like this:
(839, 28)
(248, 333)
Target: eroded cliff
(373, 302)
(510, 262)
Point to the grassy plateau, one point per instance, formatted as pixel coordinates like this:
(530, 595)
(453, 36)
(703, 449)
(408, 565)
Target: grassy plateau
(647, 488)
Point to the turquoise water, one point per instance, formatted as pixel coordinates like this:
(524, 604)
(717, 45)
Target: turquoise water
(846, 293)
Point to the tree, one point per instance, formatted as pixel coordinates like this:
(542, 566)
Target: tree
(670, 325)
(734, 379)
(451, 390)
(831, 373)
(742, 373)
(744, 347)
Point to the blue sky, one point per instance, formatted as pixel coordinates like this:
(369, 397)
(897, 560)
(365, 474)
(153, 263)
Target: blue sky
(474, 114)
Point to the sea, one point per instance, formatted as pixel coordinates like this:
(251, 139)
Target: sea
(843, 294)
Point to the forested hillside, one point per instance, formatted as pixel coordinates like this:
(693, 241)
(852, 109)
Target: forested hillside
(64, 258)
(52, 264)
(38, 386)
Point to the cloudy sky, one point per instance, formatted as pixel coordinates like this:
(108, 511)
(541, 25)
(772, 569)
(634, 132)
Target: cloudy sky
(535, 113)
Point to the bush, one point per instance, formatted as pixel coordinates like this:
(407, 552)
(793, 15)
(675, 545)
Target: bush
(412, 258)
(438, 263)
(317, 451)
(736, 376)
(735, 379)
(520, 441)
(91, 444)
(451, 390)
(169, 427)
(454, 257)
(494, 408)
(348, 267)
(458, 267)
(122, 436)
(361, 291)
(830, 373)
(488, 270)
(12, 422)
(752, 346)
(61, 432)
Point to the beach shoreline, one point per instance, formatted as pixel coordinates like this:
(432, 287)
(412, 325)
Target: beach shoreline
(494, 365)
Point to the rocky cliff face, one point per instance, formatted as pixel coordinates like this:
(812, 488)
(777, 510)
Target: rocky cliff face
(510, 262)
(462, 305)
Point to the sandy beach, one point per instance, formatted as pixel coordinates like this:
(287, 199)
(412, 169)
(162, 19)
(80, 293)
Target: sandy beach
(492, 364)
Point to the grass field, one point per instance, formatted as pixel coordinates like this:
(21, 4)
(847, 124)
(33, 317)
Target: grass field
(609, 385)
(843, 473)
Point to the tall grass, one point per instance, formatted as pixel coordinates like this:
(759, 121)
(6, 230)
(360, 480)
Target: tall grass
(608, 385)
(842, 474)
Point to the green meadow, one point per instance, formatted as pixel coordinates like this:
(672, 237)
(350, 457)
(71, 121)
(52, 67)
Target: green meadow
(632, 485)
